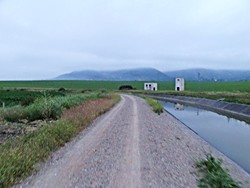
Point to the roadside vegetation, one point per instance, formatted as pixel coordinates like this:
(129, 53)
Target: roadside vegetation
(212, 174)
(155, 105)
(45, 107)
(19, 156)
(23, 97)
(236, 97)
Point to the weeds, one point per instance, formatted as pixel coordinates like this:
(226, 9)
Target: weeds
(212, 174)
(18, 157)
(156, 106)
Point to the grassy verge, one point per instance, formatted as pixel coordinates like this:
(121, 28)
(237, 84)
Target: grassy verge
(156, 106)
(18, 157)
(213, 175)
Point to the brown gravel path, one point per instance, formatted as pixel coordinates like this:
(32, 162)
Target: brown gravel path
(130, 146)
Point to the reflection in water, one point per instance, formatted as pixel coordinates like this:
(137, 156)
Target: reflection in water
(179, 106)
(230, 136)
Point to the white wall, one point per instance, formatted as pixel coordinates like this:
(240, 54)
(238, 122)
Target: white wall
(179, 84)
(151, 86)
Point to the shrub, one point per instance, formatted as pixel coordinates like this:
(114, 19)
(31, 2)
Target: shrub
(213, 175)
(61, 89)
(27, 100)
(44, 108)
(156, 106)
(86, 91)
(47, 107)
(126, 87)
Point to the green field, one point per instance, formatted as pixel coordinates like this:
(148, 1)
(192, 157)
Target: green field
(79, 85)
(114, 85)
(23, 97)
(218, 86)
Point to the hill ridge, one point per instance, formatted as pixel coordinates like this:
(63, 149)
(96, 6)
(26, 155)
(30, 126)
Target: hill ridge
(152, 74)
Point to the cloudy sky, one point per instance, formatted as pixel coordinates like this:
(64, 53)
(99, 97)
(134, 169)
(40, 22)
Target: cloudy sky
(40, 39)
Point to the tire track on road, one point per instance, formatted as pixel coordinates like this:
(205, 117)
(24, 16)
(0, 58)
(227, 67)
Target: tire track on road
(130, 173)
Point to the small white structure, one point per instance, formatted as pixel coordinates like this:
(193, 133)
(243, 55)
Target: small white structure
(150, 86)
(179, 84)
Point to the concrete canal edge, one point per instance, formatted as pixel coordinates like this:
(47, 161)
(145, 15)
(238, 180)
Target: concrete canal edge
(233, 110)
(237, 172)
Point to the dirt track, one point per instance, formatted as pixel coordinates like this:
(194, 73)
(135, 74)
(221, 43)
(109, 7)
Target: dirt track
(130, 146)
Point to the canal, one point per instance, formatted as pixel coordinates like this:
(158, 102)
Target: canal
(228, 135)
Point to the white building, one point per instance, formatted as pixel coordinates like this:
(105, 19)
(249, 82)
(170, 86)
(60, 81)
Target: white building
(179, 84)
(150, 86)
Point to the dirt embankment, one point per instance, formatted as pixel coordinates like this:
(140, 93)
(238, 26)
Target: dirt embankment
(130, 146)
(10, 130)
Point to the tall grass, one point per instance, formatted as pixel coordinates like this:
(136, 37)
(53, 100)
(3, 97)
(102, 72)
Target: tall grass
(46, 107)
(23, 97)
(18, 158)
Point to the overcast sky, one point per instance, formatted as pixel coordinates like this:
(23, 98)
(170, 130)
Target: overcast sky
(40, 39)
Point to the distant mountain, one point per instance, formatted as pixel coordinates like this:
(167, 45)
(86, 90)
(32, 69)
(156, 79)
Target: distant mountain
(150, 74)
(143, 74)
(210, 75)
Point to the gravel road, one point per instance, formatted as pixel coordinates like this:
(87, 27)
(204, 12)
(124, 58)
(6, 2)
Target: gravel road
(130, 146)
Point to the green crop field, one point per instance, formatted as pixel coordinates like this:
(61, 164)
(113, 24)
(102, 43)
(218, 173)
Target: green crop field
(79, 85)
(243, 86)
(114, 85)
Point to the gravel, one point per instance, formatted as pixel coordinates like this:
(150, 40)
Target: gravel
(130, 146)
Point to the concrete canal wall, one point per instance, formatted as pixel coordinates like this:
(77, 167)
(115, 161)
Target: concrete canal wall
(234, 110)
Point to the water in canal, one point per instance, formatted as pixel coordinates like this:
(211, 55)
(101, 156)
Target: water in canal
(230, 136)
